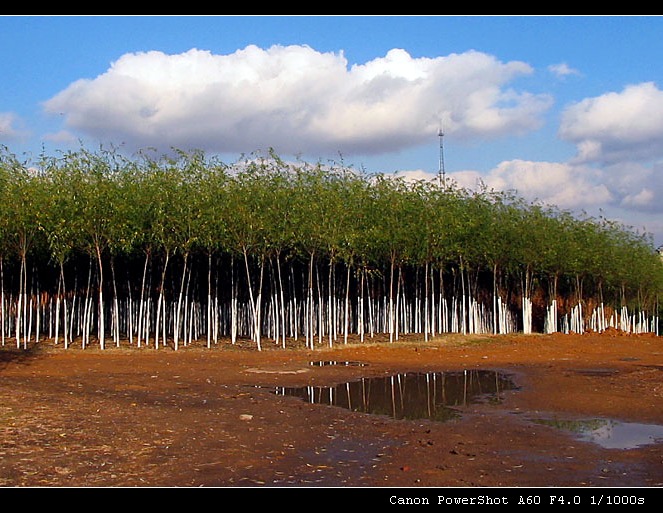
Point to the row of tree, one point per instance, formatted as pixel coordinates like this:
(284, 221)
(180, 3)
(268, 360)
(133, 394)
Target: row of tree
(159, 250)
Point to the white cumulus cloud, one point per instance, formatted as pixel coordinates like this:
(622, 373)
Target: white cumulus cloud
(614, 127)
(639, 187)
(564, 185)
(297, 100)
(10, 127)
(62, 136)
(562, 70)
(641, 200)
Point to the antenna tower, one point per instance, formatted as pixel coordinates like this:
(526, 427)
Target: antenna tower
(441, 172)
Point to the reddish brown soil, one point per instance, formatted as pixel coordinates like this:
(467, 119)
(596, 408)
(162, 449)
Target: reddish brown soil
(195, 417)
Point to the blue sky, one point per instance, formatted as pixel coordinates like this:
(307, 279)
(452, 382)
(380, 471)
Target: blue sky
(564, 110)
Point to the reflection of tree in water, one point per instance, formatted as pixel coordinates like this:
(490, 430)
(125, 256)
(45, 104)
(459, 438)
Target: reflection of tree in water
(579, 426)
(431, 395)
(608, 433)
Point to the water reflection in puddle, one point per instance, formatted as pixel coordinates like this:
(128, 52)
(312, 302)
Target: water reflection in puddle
(431, 395)
(610, 434)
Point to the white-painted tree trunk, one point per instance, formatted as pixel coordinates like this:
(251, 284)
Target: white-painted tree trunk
(178, 313)
(392, 320)
(346, 316)
(281, 301)
(255, 306)
(101, 319)
(161, 310)
(142, 321)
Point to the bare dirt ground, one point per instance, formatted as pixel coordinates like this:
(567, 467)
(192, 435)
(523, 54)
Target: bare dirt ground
(209, 417)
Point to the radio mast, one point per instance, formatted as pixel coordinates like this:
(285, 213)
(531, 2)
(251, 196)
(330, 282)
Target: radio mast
(441, 175)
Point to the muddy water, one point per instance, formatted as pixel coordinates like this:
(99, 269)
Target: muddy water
(441, 396)
(608, 433)
(431, 395)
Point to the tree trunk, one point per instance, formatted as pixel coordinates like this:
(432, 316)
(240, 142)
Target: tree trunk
(233, 303)
(160, 304)
(176, 321)
(142, 305)
(255, 307)
(346, 316)
(426, 318)
(101, 323)
(2, 299)
(309, 302)
(391, 301)
(282, 304)
(209, 299)
(116, 308)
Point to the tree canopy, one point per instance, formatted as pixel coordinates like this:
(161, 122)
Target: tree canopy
(191, 208)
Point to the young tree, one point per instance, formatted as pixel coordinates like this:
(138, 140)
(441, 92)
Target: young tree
(23, 197)
(61, 213)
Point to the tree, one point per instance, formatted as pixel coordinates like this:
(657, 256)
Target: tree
(23, 197)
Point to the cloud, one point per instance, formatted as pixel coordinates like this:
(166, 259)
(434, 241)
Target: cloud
(614, 127)
(643, 199)
(564, 185)
(562, 70)
(415, 175)
(623, 191)
(62, 136)
(10, 127)
(629, 186)
(298, 101)
(639, 187)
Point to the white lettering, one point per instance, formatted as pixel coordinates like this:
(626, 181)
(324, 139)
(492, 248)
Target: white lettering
(480, 500)
(408, 500)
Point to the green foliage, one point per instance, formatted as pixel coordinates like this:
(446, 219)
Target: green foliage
(101, 202)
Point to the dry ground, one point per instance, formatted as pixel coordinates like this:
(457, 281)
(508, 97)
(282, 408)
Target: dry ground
(196, 417)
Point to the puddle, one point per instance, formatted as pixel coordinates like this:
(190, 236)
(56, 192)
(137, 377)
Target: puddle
(432, 395)
(441, 396)
(610, 434)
